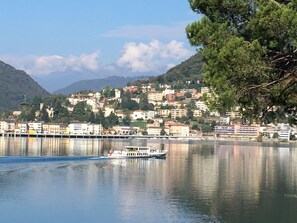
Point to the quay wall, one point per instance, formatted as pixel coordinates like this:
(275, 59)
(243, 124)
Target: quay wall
(42, 135)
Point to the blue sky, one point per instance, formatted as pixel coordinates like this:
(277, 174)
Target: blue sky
(44, 36)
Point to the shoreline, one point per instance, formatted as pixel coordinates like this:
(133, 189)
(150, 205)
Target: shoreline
(181, 138)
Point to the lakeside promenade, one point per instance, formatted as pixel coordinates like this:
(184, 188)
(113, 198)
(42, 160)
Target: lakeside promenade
(183, 138)
(90, 136)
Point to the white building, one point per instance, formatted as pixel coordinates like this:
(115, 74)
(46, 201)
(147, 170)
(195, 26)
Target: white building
(95, 129)
(137, 114)
(108, 111)
(201, 106)
(168, 91)
(23, 127)
(35, 127)
(204, 90)
(78, 128)
(125, 130)
(117, 93)
(156, 131)
(3, 126)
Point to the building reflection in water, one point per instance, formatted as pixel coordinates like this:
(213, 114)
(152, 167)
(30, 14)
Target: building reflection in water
(228, 180)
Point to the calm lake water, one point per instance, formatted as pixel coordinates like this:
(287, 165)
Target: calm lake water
(64, 180)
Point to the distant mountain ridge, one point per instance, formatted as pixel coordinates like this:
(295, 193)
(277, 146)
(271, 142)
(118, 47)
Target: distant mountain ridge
(56, 81)
(15, 86)
(189, 70)
(98, 84)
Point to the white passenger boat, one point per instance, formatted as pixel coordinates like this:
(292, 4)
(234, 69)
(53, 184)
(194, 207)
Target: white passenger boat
(137, 152)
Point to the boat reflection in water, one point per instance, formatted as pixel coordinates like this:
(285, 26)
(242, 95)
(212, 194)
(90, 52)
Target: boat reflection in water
(66, 180)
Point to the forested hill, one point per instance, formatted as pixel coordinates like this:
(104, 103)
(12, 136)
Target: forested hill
(15, 85)
(98, 84)
(188, 71)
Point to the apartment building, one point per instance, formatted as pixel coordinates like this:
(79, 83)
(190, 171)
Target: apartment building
(178, 113)
(78, 128)
(155, 96)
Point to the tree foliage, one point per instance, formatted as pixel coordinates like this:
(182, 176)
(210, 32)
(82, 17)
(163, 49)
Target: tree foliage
(188, 74)
(16, 86)
(81, 111)
(250, 52)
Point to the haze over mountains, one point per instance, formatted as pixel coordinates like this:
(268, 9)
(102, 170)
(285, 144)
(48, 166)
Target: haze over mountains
(57, 81)
(98, 84)
(17, 85)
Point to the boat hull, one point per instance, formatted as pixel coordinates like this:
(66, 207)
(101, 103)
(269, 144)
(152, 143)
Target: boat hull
(133, 152)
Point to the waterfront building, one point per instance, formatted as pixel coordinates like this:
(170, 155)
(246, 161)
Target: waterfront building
(247, 130)
(284, 135)
(35, 127)
(125, 130)
(95, 129)
(177, 129)
(51, 128)
(7, 126)
(224, 120)
(156, 131)
(78, 128)
(237, 130)
(223, 130)
(21, 128)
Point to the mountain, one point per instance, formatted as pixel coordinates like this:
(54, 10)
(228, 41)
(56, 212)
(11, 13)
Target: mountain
(189, 70)
(98, 84)
(59, 80)
(15, 86)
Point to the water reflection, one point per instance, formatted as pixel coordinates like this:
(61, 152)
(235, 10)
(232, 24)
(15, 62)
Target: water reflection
(200, 181)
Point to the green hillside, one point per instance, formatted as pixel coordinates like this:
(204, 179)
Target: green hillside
(188, 71)
(15, 85)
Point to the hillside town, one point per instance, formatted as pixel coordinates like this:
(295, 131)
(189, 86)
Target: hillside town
(147, 110)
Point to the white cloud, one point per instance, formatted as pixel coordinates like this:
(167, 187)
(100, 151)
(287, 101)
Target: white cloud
(44, 65)
(152, 56)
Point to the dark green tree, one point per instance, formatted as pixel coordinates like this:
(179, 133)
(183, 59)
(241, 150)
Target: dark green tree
(128, 103)
(81, 111)
(6, 114)
(107, 92)
(163, 132)
(54, 100)
(113, 119)
(144, 104)
(100, 119)
(126, 120)
(61, 114)
(92, 118)
(44, 115)
(27, 114)
(250, 52)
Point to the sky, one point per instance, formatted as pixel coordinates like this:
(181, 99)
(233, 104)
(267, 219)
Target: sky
(46, 36)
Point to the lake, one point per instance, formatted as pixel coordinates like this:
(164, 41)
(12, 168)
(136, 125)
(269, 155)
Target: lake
(65, 180)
